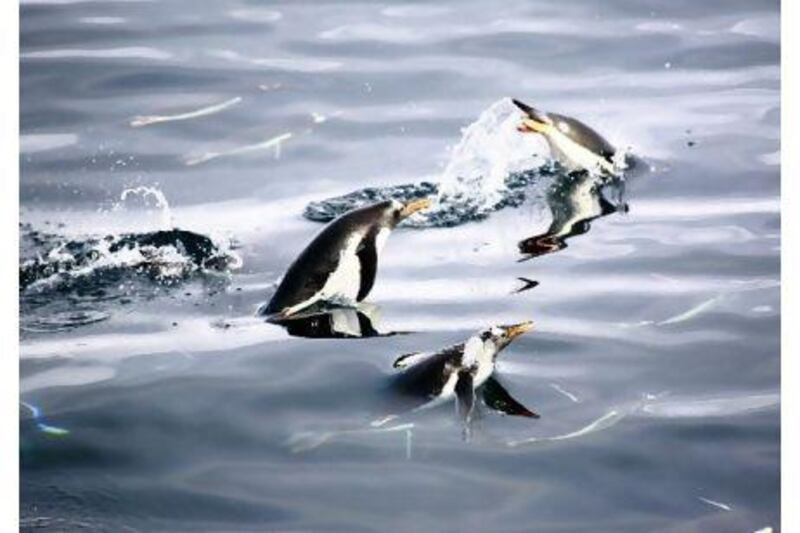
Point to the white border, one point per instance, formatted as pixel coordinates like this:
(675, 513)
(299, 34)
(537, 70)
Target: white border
(9, 273)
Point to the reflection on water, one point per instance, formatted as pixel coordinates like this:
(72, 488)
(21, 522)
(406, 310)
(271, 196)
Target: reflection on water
(575, 200)
(526, 284)
(331, 322)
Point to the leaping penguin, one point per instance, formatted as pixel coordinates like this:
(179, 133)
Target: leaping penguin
(340, 264)
(461, 370)
(574, 144)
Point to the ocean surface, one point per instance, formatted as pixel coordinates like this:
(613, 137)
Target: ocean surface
(176, 156)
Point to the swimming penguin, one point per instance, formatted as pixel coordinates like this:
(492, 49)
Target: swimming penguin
(340, 264)
(459, 371)
(574, 144)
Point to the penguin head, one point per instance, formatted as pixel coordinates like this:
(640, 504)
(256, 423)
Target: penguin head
(553, 125)
(391, 212)
(496, 338)
(534, 121)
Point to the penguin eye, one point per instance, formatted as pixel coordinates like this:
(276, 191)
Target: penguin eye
(563, 126)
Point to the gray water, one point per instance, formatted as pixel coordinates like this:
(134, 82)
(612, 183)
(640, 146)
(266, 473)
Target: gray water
(155, 400)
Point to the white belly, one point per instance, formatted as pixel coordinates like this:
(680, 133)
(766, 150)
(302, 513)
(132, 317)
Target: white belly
(343, 284)
(484, 371)
(574, 156)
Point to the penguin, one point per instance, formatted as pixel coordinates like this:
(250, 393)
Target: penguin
(459, 371)
(575, 200)
(340, 264)
(574, 144)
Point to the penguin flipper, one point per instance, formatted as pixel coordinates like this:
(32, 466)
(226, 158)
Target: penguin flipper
(368, 261)
(496, 397)
(465, 394)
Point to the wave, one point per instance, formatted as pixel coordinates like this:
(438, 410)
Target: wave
(64, 281)
(164, 256)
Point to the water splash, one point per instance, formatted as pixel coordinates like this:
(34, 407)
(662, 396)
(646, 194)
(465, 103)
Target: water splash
(492, 167)
(489, 169)
(150, 201)
(75, 276)
(66, 284)
(489, 151)
(164, 256)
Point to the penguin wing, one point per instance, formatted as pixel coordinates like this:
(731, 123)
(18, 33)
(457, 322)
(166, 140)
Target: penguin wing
(496, 397)
(465, 393)
(368, 260)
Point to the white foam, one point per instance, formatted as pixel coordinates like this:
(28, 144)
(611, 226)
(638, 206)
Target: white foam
(30, 143)
(193, 336)
(489, 150)
(771, 159)
(102, 21)
(373, 32)
(766, 27)
(712, 407)
(682, 208)
(414, 11)
(274, 142)
(256, 15)
(202, 112)
(692, 312)
(66, 376)
(565, 392)
(714, 503)
(129, 52)
(606, 421)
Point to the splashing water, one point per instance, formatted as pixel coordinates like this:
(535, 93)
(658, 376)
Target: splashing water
(492, 167)
(490, 149)
(66, 281)
(488, 170)
(165, 256)
(69, 283)
(149, 200)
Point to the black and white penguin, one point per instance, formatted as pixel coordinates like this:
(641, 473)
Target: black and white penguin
(574, 144)
(461, 370)
(340, 264)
